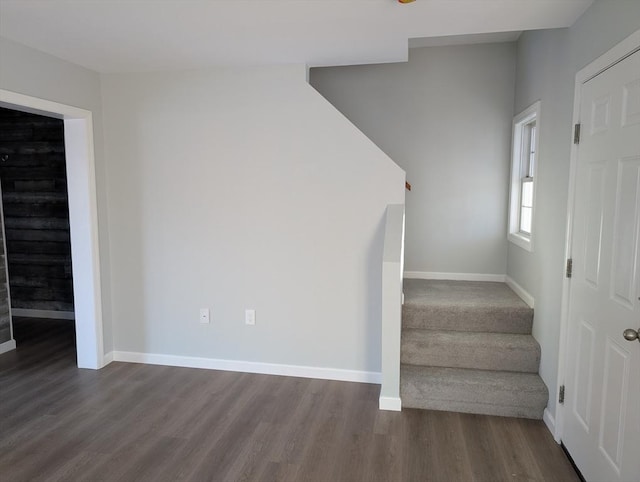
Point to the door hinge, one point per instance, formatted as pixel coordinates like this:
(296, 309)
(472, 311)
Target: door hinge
(569, 267)
(561, 396)
(576, 134)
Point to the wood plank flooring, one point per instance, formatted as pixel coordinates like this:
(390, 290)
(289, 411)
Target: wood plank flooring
(131, 422)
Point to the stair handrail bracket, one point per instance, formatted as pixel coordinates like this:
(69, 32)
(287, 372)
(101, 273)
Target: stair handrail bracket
(392, 274)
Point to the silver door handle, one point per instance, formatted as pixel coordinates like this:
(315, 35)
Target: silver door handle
(631, 335)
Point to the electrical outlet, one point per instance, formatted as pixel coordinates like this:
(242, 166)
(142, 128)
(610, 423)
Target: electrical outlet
(250, 317)
(204, 315)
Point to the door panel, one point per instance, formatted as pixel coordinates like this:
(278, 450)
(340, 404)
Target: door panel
(625, 248)
(602, 425)
(616, 377)
(631, 103)
(584, 375)
(593, 229)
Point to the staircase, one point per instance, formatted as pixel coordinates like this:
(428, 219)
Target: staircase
(467, 347)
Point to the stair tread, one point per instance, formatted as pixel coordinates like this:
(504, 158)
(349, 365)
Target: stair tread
(486, 351)
(464, 306)
(474, 294)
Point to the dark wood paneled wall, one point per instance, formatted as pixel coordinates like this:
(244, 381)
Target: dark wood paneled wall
(36, 211)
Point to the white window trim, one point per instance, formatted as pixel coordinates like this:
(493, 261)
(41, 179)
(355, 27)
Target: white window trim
(514, 235)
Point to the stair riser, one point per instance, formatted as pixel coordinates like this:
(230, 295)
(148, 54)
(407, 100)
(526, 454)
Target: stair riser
(518, 321)
(505, 396)
(473, 391)
(476, 408)
(442, 352)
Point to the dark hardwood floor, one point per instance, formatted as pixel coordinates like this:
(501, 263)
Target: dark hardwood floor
(131, 422)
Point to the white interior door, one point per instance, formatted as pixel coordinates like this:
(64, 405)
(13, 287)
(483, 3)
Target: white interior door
(602, 404)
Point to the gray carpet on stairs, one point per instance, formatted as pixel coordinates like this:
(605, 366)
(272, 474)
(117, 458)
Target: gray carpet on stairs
(480, 351)
(508, 394)
(467, 346)
(464, 306)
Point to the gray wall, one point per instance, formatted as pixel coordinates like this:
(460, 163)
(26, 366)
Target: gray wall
(547, 63)
(31, 72)
(229, 189)
(445, 117)
(237, 188)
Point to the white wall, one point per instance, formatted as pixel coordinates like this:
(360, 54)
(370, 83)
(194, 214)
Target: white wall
(34, 73)
(547, 63)
(445, 117)
(244, 188)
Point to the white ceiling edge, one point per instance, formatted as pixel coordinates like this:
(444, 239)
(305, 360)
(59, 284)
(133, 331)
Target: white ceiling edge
(480, 38)
(143, 35)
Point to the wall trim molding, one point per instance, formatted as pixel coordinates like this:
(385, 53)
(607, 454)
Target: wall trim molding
(550, 422)
(106, 359)
(393, 404)
(247, 367)
(500, 278)
(50, 314)
(520, 291)
(7, 346)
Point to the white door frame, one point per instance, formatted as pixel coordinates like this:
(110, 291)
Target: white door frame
(618, 53)
(83, 219)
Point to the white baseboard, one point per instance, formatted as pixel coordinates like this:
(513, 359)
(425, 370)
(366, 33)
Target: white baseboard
(106, 359)
(500, 278)
(393, 404)
(550, 422)
(50, 314)
(248, 367)
(7, 346)
(520, 291)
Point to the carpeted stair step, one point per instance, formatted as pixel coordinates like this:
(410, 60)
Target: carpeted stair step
(481, 351)
(478, 306)
(509, 394)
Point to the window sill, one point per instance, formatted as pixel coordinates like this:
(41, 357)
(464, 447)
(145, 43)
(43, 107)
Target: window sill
(524, 242)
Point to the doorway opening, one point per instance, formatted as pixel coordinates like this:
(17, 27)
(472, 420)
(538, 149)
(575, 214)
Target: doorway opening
(37, 240)
(83, 220)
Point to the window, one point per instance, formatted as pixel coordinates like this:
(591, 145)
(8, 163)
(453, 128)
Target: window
(523, 170)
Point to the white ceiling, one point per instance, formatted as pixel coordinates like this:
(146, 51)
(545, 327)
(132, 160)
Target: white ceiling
(143, 35)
